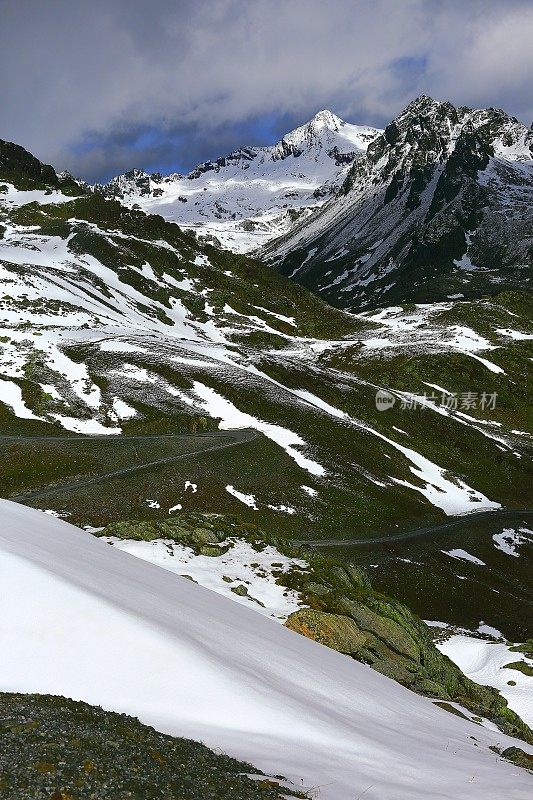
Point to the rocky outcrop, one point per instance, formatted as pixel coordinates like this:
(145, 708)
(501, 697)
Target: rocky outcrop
(193, 530)
(335, 631)
(349, 616)
(25, 172)
(344, 612)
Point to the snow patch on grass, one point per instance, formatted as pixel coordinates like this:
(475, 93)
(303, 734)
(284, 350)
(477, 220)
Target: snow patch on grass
(464, 556)
(484, 661)
(518, 335)
(118, 346)
(491, 366)
(231, 417)
(247, 499)
(86, 426)
(11, 395)
(240, 565)
(311, 398)
(509, 540)
(284, 509)
(122, 409)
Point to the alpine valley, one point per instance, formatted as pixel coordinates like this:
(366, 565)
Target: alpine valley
(298, 377)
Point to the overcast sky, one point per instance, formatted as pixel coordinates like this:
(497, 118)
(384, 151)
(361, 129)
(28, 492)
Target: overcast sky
(101, 86)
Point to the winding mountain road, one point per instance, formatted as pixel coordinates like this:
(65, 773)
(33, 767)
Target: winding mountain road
(231, 438)
(418, 533)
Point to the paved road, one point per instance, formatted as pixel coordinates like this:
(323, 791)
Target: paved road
(227, 439)
(418, 533)
(232, 438)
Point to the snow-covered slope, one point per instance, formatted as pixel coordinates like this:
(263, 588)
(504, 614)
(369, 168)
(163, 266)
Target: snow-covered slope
(494, 663)
(82, 619)
(439, 206)
(244, 199)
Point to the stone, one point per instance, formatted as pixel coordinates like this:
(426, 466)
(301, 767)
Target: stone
(333, 630)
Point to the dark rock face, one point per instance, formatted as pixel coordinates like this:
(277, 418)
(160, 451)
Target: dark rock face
(440, 205)
(343, 158)
(19, 167)
(135, 178)
(25, 172)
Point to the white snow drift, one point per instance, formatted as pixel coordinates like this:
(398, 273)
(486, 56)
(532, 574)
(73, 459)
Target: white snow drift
(485, 662)
(82, 619)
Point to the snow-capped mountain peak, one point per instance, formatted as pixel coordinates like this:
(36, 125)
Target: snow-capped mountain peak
(321, 126)
(439, 203)
(255, 193)
(327, 130)
(326, 119)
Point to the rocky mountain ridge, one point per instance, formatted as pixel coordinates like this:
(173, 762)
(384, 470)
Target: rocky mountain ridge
(439, 206)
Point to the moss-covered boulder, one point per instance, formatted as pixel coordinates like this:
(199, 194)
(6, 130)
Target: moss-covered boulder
(203, 538)
(384, 629)
(392, 640)
(335, 631)
(241, 590)
(519, 757)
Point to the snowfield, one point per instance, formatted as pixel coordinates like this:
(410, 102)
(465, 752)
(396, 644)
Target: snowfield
(246, 199)
(484, 662)
(82, 619)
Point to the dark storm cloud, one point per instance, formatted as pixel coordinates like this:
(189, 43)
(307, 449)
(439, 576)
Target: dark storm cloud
(105, 85)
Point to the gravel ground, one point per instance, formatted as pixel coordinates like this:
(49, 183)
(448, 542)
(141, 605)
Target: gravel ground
(52, 748)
